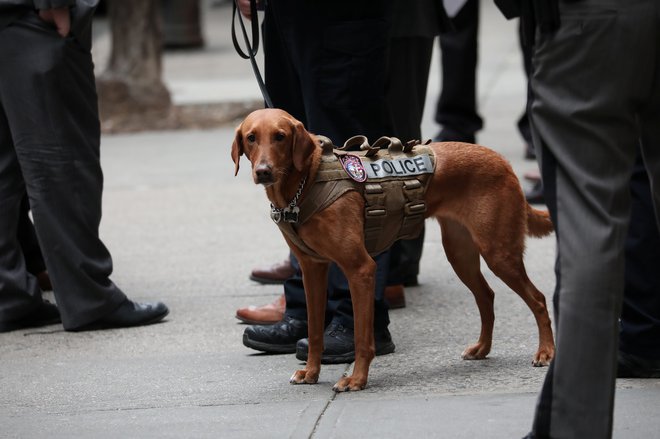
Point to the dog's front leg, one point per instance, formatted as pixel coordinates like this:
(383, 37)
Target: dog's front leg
(315, 281)
(362, 283)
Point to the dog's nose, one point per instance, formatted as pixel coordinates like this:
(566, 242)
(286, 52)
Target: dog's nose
(264, 173)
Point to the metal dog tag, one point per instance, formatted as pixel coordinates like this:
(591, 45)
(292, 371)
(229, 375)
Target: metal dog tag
(276, 215)
(291, 214)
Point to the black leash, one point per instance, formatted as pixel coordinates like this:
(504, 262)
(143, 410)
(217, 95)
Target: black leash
(251, 51)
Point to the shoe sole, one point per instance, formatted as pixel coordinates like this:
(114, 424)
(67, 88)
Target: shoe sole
(267, 347)
(255, 322)
(15, 326)
(266, 281)
(345, 358)
(102, 326)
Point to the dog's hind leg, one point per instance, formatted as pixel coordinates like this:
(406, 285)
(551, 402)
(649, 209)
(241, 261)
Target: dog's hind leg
(507, 264)
(315, 280)
(463, 255)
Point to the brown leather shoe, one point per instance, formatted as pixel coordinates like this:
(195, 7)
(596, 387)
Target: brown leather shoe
(395, 296)
(263, 315)
(275, 274)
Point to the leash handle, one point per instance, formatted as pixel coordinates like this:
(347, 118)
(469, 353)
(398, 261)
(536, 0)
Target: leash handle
(251, 50)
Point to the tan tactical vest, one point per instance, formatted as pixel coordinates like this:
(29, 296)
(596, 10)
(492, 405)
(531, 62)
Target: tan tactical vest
(395, 181)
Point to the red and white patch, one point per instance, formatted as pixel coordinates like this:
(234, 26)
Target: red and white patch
(353, 167)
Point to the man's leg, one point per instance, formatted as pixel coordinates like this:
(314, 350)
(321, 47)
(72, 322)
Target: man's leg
(587, 139)
(343, 77)
(409, 61)
(456, 110)
(284, 88)
(50, 101)
(640, 316)
(340, 57)
(19, 292)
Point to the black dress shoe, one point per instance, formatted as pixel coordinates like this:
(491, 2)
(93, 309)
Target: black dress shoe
(278, 338)
(632, 366)
(129, 314)
(339, 346)
(44, 314)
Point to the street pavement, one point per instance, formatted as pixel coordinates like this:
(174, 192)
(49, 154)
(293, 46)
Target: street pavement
(184, 230)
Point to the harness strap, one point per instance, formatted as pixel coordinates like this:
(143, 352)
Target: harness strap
(290, 232)
(322, 195)
(318, 198)
(414, 209)
(336, 174)
(375, 214)
(393, 208)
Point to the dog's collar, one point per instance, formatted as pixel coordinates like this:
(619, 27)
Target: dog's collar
(288, 214)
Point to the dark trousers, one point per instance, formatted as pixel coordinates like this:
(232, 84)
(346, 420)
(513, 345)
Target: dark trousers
(27, 238)
(456, 109)
(409, 62)
(49, 149)
(325, 63)
(586, 139)
(640, 314)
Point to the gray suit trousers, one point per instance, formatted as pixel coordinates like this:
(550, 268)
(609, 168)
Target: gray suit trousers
(49, 147)
(596, 85)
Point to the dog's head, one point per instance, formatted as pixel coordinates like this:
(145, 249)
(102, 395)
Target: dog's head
(274, 142)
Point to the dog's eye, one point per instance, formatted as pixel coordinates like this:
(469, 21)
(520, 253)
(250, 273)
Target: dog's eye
(279, 137)
(251, 138)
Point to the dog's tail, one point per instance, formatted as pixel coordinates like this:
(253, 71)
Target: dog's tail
(539, 223)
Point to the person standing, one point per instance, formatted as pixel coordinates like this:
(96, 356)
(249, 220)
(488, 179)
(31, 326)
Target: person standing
(586, 133)
(49, 150)
(326, 64)
(414, 28)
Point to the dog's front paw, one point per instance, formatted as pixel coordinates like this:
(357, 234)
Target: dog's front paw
(349, 383)
(477, 351)
(304, 376)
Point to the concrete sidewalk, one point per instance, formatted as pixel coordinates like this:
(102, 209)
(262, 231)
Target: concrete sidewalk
(184, 230)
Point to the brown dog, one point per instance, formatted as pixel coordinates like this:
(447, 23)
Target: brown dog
(473, 193)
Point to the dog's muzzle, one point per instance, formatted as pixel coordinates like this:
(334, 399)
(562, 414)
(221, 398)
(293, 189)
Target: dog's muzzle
(263, 174)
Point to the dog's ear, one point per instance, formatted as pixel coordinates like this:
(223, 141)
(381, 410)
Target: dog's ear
(237, 149)
(303, 146)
